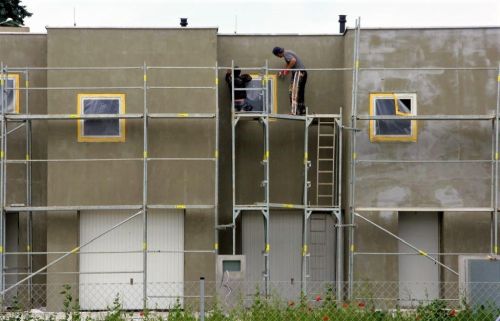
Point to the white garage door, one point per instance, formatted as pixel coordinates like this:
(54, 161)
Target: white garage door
(285, 251)
(106, 275)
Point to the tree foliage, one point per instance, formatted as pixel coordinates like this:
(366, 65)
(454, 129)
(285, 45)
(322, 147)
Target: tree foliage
(12, 13)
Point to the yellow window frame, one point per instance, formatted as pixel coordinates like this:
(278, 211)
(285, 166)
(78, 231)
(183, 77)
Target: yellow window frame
(392, 138)
(275, 88)
(16, 90)
(100, 139)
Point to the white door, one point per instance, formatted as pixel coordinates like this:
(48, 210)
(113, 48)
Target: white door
(109, 274)
(418, 276)
(285, 251)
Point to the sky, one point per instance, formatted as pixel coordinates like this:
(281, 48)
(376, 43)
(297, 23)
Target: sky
(262, 16)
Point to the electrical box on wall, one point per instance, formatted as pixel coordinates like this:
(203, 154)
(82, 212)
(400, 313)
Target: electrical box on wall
(479, 278)
(230, 268)
(230, 275)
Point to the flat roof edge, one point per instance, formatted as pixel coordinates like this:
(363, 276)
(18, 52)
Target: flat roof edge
(24, 33)
(131, 27)
(427, 27)
(279, 34)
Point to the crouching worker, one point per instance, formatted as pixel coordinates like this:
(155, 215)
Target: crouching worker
(240, 82)
(298, 80)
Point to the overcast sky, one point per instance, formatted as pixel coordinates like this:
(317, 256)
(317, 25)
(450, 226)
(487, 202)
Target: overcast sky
(261, 16)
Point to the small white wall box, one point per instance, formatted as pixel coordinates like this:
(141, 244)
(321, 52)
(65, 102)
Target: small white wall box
(479, 279)
(230, 268)
(230, 276)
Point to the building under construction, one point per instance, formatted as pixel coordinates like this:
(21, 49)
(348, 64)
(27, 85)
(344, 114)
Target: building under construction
(123, 161)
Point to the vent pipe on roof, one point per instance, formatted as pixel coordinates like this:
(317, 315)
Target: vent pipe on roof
(342, 21)
(184, 22)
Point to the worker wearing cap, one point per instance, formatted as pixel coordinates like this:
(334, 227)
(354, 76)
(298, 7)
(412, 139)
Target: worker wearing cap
(293, 62)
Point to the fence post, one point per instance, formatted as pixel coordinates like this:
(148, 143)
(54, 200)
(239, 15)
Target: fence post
(202, 298)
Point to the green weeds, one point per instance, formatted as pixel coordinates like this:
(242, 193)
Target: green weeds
(262, 309)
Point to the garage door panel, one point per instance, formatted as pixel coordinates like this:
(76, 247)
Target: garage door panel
(165, 233)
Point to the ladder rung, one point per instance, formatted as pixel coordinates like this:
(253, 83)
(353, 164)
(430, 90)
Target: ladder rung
(326, 147)
(326, 159)
(325, 184)
(322, 172)
(326, 135)
(327, 122)
(325, 196)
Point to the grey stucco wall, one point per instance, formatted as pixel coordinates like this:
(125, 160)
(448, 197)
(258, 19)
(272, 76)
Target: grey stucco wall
(120, 182)
(387, 185)
(439, 92)
(324, 94)
(19, 50)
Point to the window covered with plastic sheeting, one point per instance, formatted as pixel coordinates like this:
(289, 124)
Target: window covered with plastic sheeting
(392, 104)
(10, 93)
(255, 97)
(101, 130)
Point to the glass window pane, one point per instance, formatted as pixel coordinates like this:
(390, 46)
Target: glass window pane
(9, 95)
(254, 97)
(386, 106)
(101, 127)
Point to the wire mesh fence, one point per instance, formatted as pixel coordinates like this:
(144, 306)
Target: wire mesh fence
(230, 300)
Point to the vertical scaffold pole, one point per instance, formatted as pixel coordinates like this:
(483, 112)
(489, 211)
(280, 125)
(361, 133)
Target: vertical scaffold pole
(29, 201)
(340, 221)
(493, 183)
(5, 145)
(145, 191)
(306, 213)
(216, 156)
(353, 153)
(495, 210)
(267, 215)
(233, 157)
(3, 84)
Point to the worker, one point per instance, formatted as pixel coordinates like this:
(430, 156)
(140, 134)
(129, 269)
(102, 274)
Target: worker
(240, 96)
(298, 80)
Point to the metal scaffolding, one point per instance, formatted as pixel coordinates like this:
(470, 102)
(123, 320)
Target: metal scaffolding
(306, 208)
(26, 119)
(355, 210)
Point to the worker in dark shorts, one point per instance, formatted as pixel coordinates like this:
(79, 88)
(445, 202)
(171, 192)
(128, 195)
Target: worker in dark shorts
(240, 96)
(293, 62)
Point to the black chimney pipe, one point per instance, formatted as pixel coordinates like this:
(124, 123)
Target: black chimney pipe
(342, 21)
(184, 22)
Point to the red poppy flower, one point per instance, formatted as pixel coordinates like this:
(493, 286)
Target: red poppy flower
(141, 313)
(345, 305)
(318, 298)
(361, 305)
(326, 318)
(453, 313)
(291, 303)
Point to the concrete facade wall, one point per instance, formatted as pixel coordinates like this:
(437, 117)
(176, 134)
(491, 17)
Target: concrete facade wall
(120, 182)
(19, 50)
(377, 185)
(324, 94)
(439, 92)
